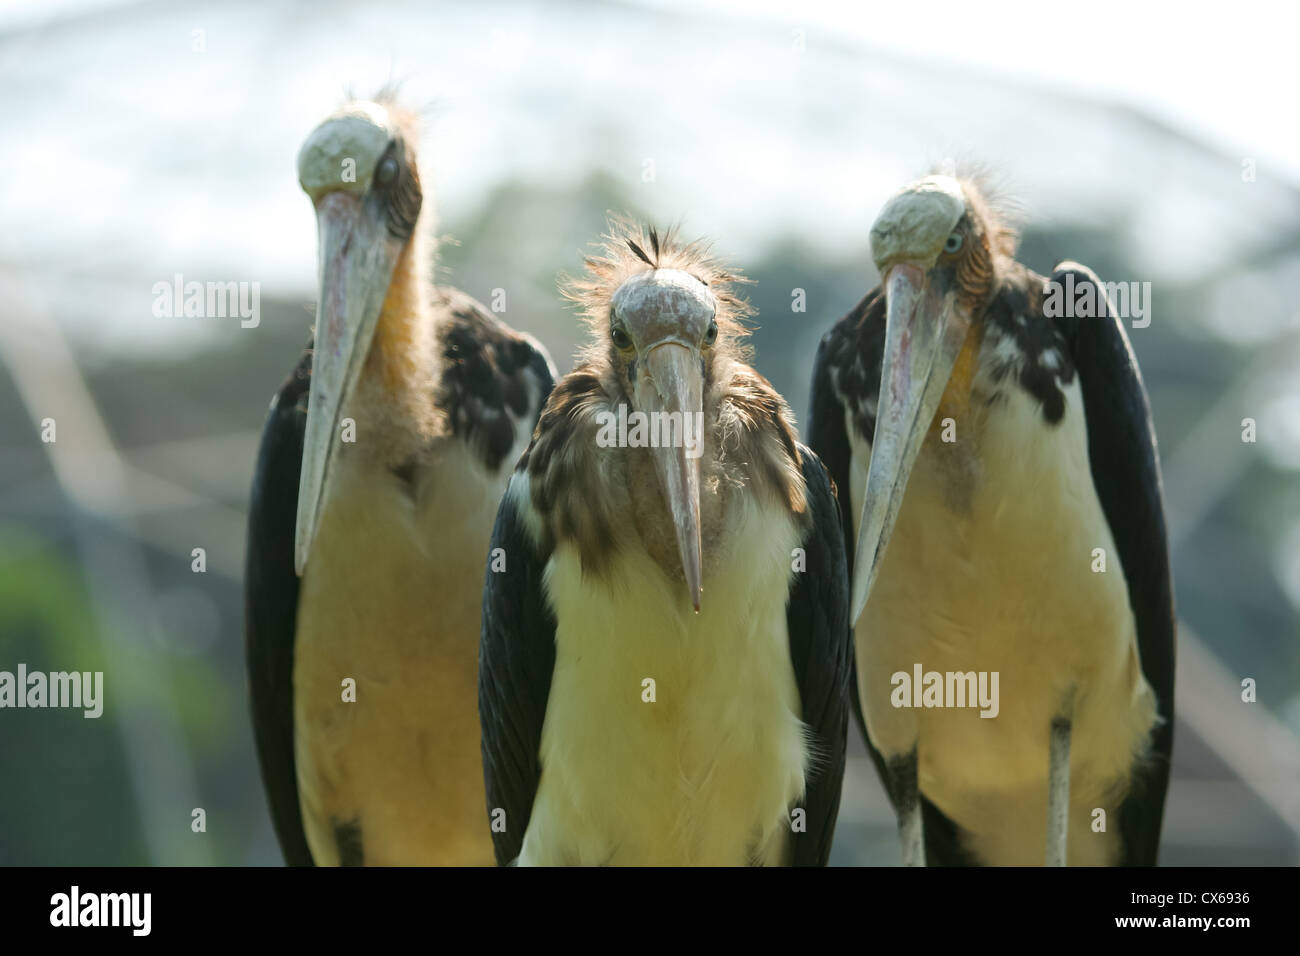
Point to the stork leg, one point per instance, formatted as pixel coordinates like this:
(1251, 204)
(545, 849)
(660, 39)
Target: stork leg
(1058, 792)
(906, 791)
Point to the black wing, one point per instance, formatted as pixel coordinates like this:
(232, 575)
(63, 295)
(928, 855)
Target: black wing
(271, 606)
(1126, 474)
(821, 651)
(827, 433)
(516, 661)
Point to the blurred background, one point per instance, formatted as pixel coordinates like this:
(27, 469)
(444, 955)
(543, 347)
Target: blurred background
(141, 141)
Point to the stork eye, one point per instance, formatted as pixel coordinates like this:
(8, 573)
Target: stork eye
(954, 243)
(621, 339)
(711, 334)
(386, 173)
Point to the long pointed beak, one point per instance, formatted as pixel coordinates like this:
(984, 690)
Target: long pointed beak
(924, 333)
(675, 371)
(356, 265)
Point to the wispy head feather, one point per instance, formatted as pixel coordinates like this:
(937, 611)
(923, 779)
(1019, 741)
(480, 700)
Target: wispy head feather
(629, 248)
(989, 202)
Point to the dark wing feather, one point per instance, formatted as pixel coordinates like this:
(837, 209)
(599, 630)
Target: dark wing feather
(271, 606)
(827, 433)
(494, 380)
(821, 651)
(1126, 475)
(516, 661)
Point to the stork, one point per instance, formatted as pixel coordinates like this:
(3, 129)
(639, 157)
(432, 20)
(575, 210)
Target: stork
(381, 466)
(664, 665)
(994, 441)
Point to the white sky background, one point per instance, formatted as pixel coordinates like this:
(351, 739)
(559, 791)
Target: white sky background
(1229, 73)
(129, 158)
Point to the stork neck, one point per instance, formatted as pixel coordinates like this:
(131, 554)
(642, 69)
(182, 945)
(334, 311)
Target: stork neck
(956, 399)
(401, 351)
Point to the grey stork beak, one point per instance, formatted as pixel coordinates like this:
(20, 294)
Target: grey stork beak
(675, 371)
(356, 266)
(356, 258)
(925, 330)
(668, 314)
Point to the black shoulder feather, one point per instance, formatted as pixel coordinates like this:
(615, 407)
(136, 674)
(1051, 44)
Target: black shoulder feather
(271, 605)
(1126, 475)
(821, 652)
(516, 661)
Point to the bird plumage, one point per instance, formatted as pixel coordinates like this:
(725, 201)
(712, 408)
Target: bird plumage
(363, 671)
(750, 693)
(1051, 454)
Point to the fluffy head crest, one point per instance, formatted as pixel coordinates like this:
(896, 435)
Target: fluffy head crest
(406, 119)
(990, 203)
(628, 248)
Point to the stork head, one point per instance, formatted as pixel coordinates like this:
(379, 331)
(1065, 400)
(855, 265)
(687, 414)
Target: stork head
(358, 168)
(663, 314)
(938, 247)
